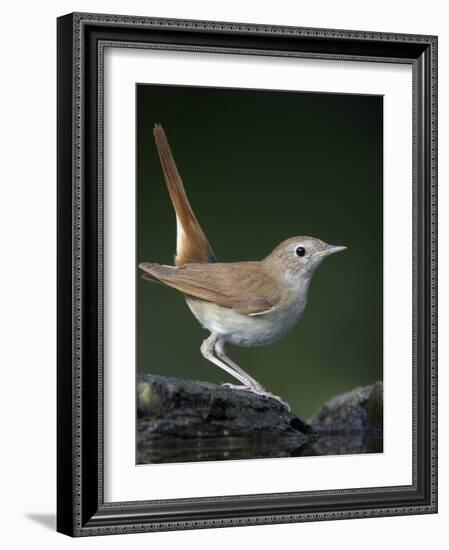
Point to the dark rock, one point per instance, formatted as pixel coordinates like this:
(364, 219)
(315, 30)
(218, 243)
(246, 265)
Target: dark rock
(359, 410)
(350, 423)
(185, 420)
(180, 420)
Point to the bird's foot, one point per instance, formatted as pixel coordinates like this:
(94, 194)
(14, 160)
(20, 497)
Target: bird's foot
(261, 392)
(269, 395)
(236, 387)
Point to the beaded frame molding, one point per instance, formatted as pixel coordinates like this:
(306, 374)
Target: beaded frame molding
(81, 510)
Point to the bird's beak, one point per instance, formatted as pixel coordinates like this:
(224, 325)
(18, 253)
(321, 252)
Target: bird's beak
(335, 248)
(331, 249)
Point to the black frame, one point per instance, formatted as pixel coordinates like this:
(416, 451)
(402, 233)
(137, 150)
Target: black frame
(81, 509)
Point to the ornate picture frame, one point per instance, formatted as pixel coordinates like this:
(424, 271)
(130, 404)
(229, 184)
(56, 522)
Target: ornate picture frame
(81, 507)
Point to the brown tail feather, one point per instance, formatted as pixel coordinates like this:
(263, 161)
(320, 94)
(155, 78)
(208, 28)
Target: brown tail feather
(192, 245)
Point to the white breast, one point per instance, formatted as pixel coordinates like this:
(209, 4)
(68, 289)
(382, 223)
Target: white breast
(246, 330)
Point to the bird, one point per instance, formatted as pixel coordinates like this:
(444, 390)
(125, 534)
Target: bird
(245, 303)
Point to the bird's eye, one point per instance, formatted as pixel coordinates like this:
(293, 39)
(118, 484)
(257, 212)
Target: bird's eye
(300, 251)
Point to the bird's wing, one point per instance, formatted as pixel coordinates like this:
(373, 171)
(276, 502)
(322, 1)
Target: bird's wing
(243, 286)
(191, 242)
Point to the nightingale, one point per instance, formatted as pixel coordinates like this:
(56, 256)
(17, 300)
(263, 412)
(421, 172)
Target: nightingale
(251, 303)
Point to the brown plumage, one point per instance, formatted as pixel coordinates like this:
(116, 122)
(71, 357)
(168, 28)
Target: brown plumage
(192, 244)
(244, 287)
(241, 286)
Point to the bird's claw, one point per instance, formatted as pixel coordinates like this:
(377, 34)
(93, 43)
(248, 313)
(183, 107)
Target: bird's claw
(262, 393)
(236, 386)
(269, 395)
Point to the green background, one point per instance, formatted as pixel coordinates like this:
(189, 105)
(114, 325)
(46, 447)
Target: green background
(259, 167)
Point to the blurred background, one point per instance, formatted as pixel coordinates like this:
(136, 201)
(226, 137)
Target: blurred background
(259, 167)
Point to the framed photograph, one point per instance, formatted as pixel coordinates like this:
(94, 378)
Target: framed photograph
(247, 293)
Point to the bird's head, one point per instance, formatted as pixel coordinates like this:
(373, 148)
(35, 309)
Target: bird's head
(299, 256)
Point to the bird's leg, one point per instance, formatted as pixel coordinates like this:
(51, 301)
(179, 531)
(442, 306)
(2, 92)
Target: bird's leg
(207, 350)
(212, 349)
(250, 384)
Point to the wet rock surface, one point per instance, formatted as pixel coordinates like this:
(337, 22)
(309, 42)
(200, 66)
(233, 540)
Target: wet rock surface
(350, 423)
(184, 420)
(359, 410)
(181, 420)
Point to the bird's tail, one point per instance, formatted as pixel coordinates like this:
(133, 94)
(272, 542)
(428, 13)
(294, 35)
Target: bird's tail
(192, 245)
